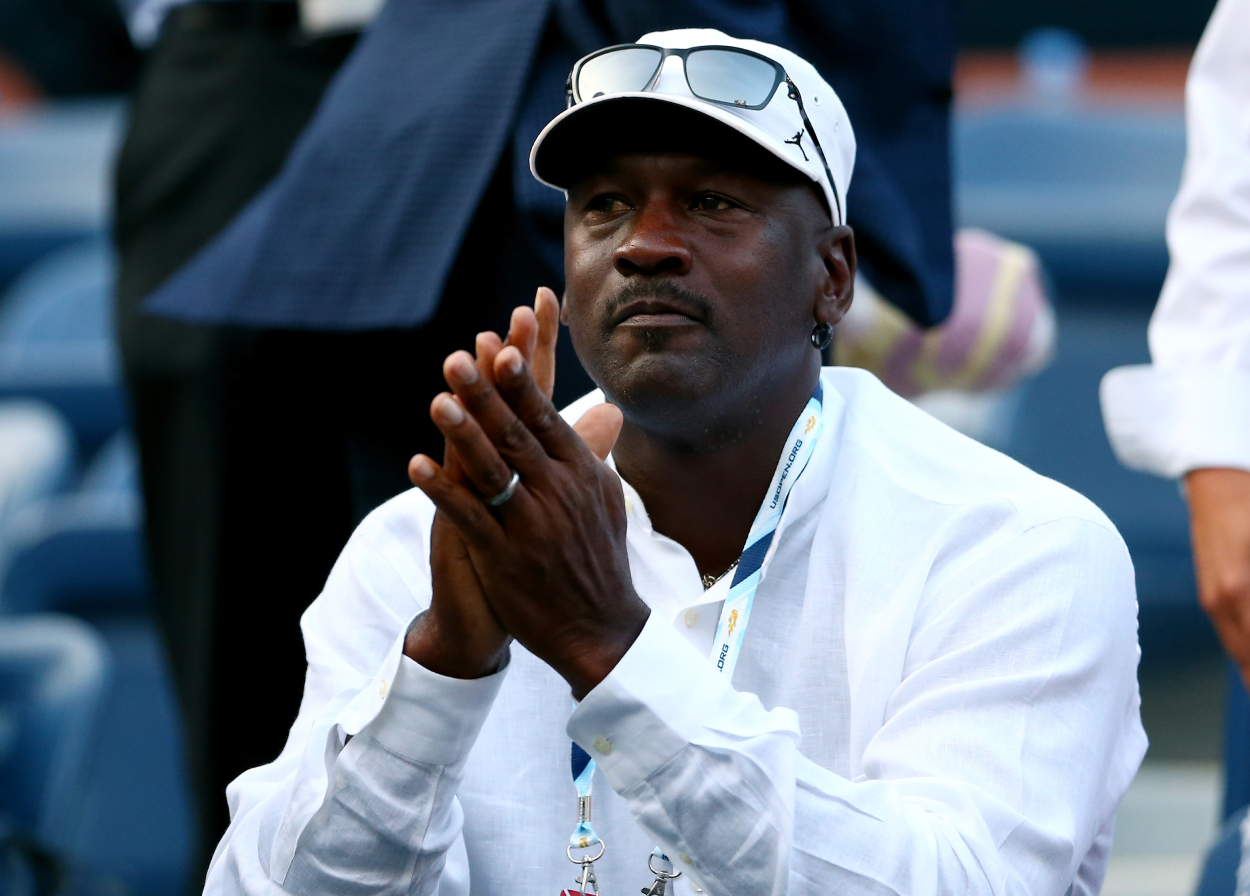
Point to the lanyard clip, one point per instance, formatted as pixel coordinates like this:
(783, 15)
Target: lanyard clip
(663, 874)
(586, 881)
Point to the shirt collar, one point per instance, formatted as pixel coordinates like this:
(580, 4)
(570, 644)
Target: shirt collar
(810, 490)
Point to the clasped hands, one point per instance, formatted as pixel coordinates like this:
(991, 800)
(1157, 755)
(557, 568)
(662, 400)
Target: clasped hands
(549, 567)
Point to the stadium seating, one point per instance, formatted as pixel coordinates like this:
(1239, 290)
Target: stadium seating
(81, 552)
(57, 344)
(1087, 187)
(36, 454)
(1219, 872)
(53, 679)
(55, 175)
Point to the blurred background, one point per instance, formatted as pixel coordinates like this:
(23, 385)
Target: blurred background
(1068, 137)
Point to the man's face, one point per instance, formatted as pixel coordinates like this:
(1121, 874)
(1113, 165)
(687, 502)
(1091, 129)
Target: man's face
(692, 286)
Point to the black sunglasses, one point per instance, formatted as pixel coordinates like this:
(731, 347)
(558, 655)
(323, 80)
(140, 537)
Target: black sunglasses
(727, 76)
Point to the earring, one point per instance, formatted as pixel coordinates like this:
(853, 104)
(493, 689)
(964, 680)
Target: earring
(822, 336)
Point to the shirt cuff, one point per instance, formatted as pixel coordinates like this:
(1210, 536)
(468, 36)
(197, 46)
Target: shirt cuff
(1171, 421)
(431, 718)
(662, 696)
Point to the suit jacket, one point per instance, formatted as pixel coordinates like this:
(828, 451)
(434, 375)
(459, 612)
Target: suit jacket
(361, 227)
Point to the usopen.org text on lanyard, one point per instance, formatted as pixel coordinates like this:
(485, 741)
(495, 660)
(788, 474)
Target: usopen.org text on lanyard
(726, 647)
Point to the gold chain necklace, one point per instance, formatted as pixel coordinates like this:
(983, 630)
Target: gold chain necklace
(709, 581)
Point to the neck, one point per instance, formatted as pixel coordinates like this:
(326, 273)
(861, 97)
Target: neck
(706, 498)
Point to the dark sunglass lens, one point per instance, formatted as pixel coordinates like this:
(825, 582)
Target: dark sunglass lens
(627, 69)
(724, 76)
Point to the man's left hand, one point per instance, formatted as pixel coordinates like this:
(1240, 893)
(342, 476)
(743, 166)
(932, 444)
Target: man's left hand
(459, 636)
(552, 560)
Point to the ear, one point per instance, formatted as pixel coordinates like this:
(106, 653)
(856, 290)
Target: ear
(836, 288)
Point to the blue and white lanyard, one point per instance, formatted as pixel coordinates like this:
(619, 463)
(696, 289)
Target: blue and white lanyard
(736, 613)
(584, 835)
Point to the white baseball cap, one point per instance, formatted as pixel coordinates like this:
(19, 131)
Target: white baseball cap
(588, 126)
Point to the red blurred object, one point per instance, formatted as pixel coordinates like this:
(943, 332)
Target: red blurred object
(1117, 77)
(17, 88)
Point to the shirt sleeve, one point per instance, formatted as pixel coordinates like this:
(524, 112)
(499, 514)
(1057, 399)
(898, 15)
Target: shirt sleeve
(1190, 408)
(363, 796)
(1005, 749)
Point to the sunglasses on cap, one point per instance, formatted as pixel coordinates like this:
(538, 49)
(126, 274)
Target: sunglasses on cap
(727, 76)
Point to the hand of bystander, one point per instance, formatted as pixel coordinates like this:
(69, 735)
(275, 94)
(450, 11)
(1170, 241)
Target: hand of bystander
(1219, 513)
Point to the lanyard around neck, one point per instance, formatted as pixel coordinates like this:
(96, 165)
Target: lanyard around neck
(731, 629)
(736, 613)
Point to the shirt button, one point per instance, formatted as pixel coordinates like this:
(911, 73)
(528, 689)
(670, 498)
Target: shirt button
(692, 618)
(383, 687)
(602, 745)
(629, 504)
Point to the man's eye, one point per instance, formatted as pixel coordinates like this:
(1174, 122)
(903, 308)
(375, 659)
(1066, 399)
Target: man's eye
(710, 202)
(607, 204)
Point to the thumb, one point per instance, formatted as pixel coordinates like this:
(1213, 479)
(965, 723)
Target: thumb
(547, 313)
(599, 428)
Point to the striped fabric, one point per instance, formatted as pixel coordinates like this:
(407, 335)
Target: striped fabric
(1001, 329)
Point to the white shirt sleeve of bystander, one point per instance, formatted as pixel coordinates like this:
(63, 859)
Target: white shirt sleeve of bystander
(1191, 407)
(364, 791)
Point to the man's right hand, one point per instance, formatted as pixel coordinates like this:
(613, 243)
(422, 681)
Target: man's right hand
(459, 636)
(1219, 514)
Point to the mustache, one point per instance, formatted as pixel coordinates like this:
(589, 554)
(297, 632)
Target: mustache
(685, 300)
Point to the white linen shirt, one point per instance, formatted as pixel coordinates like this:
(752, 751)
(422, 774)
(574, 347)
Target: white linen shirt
(937, 694)
(1191, 408)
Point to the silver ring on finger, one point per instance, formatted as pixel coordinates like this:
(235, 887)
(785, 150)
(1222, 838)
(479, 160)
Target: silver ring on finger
(508, 491)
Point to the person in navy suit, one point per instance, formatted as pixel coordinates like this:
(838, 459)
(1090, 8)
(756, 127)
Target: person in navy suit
(402, 223)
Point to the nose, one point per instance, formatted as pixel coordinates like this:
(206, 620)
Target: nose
(654, 244)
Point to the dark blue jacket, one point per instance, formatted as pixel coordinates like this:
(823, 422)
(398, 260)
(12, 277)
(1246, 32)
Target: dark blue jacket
(361, 227)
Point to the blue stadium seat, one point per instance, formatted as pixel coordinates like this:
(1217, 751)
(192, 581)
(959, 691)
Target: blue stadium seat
(138, 823)
(81, 552)
(36, 454)
(53, 678)
(1089, 188)
(1236, 744)
(55, 173)
(57, 344)
(1219, 870)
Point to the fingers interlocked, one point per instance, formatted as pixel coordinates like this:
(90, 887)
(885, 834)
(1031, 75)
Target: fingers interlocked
(488, 437)
(495, 425)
